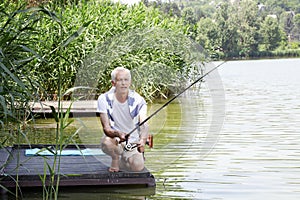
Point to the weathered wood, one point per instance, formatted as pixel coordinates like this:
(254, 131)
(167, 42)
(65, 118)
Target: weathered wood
(77, 108)
(73, 170)
(4, 155)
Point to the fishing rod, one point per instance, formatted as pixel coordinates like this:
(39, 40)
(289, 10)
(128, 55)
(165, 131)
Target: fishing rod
(172, 99)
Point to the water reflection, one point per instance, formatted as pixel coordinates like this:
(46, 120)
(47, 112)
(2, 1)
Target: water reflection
(93, 192)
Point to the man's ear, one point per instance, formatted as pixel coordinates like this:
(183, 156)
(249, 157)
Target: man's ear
(113, 83)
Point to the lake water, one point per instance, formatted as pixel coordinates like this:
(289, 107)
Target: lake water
(236, 138)
(256, 154)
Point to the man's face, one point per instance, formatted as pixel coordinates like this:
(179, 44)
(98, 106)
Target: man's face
(122, 82)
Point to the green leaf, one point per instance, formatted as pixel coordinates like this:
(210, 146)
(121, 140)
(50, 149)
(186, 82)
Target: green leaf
(51, 171)
(2, 102)
(52, 15)
(54, 114)
(79, 87)
(66, 117)
(49, 149)
(32, 51)
(17, 80)
(76, 34)
(73, 175)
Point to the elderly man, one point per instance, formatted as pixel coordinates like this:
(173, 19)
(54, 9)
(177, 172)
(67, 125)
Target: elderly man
(121, 110)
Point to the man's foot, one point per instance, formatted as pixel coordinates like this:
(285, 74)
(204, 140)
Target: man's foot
(114, 166)
(112, 169)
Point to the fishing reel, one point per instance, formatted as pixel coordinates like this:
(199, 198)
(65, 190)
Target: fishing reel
(129, 146)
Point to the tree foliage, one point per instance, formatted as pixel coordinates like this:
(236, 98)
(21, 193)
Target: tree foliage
(271, 34)
(240, 28)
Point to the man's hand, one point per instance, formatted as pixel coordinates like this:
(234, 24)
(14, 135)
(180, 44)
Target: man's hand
(122, 136)
(141, 148)
(141, 145)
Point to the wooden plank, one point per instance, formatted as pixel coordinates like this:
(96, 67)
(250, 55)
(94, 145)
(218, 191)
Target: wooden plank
(64, 159)
(149, 181)
(78, 108)
(74, 170)
(36, 164)
(44, 106)
(119, 178)
(4, 155)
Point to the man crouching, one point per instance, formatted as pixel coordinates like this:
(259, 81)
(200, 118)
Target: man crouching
(121, 110)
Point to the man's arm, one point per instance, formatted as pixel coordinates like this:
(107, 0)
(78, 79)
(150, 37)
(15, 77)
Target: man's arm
(109, 132)
(144, 130)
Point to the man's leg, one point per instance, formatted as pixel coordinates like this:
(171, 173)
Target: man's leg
(111, 147)
(133, 160)
(136, 162)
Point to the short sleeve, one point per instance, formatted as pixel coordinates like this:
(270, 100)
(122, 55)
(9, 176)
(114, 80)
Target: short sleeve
(143, 111)
(101, 104)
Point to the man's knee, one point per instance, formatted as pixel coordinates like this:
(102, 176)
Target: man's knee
(136, 163)
(137, 167)
(111, 147)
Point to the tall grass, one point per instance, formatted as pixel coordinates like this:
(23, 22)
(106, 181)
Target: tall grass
(17, 52)
(105, 21)
(19, 87)
(161, 61)
(51, 177)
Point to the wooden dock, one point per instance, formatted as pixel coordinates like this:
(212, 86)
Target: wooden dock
(84, 108)
(75, 170)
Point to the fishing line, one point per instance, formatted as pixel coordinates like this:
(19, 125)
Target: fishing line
(172, 99)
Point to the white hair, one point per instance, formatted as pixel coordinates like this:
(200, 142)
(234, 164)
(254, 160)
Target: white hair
(118, 69)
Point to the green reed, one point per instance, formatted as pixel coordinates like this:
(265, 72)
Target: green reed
(104, 21)
(20, 87)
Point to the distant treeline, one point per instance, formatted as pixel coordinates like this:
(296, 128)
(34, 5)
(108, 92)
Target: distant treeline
(240, 28)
